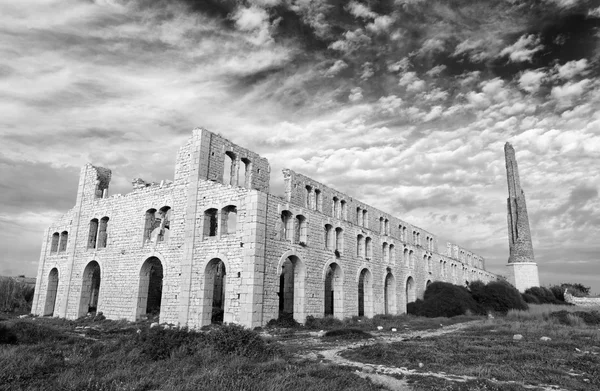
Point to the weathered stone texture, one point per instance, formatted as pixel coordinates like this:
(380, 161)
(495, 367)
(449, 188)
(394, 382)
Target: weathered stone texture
(519, 236)
(278, 257)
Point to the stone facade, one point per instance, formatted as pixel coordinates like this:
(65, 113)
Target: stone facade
(522, 271)
(582, 301)
(214, 244)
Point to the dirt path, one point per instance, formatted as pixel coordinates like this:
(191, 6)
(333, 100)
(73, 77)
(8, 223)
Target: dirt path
(394, 378)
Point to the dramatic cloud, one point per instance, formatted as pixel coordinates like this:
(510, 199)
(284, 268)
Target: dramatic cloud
(410, 101)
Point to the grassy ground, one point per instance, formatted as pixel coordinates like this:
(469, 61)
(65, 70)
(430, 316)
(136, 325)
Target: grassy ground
(46, 354)
(571, 359)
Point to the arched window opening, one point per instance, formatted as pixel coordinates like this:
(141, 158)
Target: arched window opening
(286, 225)
(162, 224)
(54, 243)
(365, 293)
(429, 264)
(368, 248)
(150, 288)
(406, 257)
(308, 198)
(150, 224)
(386, 227)
(333, 291)
(358, 216)
(385, 250)
(343, 207)
(246, 170)
(328, 237)
(418, 238)
(360, 244)
(229, 218)
(93, 233)
(229, 169)
(64, 237)
(301, 230)
(411, 291)
(365, 222)
(102, 234)
(392, 254)
(389, 294)
(381, 226)
(211, 224)
(90, 289)
(336, 207)
(411, 257)
(318, 200)
(404, 234)
(291, 289)
(214, 292)
(51, 292)
(339, 239)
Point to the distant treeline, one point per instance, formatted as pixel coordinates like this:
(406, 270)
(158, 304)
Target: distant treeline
(15, 296)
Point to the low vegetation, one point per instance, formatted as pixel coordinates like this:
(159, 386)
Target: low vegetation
(448, 300)
(43, 354)
(488, 352)
(15, 296)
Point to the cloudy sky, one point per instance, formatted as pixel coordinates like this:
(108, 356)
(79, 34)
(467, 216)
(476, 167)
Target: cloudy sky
(403, 104)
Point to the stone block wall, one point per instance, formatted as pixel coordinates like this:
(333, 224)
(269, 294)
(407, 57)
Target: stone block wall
(181, 233)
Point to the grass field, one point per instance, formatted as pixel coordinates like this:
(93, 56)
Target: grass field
(51, 354)
(44, 353)
(571, 359)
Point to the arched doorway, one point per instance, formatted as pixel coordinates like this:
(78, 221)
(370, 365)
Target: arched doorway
(90, 289)
(214, 292)
(365, 293)
(390, 294)
(150, 289)
(291, 288)
(411, 291)
(51, 292)
(334, 293)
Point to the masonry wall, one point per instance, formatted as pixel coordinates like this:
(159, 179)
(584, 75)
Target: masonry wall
(253, 255)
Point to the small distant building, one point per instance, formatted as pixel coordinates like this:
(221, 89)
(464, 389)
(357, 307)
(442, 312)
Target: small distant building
(215, 245)
(522, 269)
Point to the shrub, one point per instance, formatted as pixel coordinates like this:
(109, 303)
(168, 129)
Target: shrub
(285, 320)
(530, 299)
(158, 343)
(414, 307)
(543, 294)
(328, 322)
(28, 332)
(575, 289)
(7, 336)
(235, 339)
(498, 296)
(443, 299)
(347, 334)
(574, 318)
(558, 292)
(14, 295)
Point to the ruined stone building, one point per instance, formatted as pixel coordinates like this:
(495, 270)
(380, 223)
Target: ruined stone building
(522, 269)
(214, 244)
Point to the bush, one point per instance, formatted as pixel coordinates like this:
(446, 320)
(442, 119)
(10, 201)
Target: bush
(575, 289)
(328, 322)
(14, 295)
(497, 296)
(558, 292)
(565, 317)
(347, 334)
(285, 320)
(235, 339)
(543, 294)
(530, 299)
(7, 336)
(28, 332)
(443, 299)
(158, 343)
